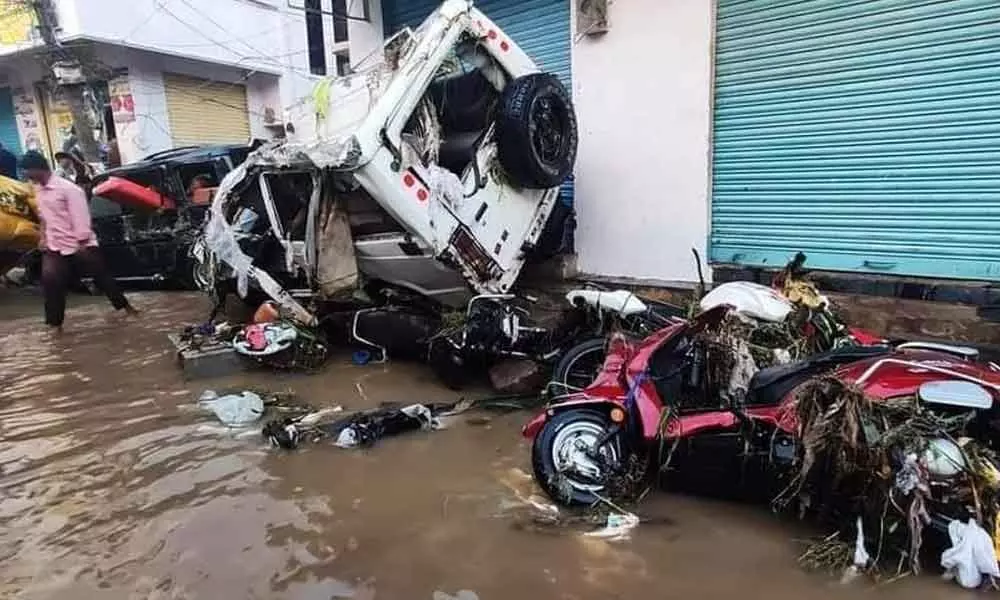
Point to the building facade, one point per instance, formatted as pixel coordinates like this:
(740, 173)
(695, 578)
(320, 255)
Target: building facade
(179, 72)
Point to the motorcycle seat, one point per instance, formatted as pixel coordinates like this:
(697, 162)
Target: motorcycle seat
(769, 386)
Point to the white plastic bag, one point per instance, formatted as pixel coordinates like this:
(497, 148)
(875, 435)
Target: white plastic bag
(971, 554)
(236, 410)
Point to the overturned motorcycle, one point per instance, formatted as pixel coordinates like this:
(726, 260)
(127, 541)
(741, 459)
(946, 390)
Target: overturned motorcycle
(790, 316)
(899, 432)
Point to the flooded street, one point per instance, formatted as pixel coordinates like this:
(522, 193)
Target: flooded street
(114, 485)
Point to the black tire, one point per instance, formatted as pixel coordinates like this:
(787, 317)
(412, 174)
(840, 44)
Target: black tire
(564, 488)
(447, 364)
(564, 379)
(537, 131)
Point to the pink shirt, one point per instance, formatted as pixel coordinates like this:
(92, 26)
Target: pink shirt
(65, 216)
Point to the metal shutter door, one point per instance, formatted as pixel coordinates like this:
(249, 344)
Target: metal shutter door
(206, 112)
(9, 136)
(865, 133)
(540, 27)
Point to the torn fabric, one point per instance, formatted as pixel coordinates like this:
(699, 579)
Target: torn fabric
(337, 265)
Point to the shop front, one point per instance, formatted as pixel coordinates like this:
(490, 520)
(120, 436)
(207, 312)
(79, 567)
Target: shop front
(864, 134)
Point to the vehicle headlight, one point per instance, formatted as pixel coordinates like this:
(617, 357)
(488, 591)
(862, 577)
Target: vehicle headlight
(944, 458)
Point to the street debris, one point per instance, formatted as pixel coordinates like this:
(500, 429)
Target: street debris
(194, 337)
(234, 410)
(618, 528)
(461, 595)
(900, 468)
(366, 429)
(360, 430)
(971, 555)
(281, 344)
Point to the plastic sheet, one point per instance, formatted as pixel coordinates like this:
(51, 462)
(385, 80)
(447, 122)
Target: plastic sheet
(971, 554)
(234, 410)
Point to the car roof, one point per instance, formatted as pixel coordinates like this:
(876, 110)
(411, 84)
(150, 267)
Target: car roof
(175, 157)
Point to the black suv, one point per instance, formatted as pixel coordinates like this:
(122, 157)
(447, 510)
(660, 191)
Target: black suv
(152, 245)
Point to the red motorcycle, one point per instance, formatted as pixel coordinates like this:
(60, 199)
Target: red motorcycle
(649, 402)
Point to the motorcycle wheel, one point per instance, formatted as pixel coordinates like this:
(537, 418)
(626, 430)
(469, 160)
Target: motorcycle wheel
(559, 461)
(578, 367)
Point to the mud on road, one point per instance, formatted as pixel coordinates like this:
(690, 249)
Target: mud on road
(114, 486)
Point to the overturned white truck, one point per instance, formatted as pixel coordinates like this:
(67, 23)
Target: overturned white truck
(432, 171)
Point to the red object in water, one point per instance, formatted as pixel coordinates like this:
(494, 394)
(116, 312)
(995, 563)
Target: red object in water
(266, 313)
(130, 193)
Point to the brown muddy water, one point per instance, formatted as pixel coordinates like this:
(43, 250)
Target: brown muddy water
(113, 485)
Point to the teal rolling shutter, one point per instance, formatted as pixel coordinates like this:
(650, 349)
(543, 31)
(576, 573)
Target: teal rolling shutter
(865, 133)
(9, 136)
(540, 27)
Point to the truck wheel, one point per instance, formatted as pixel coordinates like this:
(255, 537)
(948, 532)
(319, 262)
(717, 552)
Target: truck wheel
(536, 131)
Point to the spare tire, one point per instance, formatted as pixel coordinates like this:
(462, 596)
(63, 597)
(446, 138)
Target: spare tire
(536, 131)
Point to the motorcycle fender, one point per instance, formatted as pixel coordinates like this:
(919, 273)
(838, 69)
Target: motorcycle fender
(534, 426)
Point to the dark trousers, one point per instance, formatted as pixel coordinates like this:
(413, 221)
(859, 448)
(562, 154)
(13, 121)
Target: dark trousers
(57, 273)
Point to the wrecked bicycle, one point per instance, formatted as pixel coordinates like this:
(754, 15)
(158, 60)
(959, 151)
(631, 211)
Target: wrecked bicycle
(897, 436)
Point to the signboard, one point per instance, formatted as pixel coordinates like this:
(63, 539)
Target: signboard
(122, 102)
(17, 23)
(29, 121)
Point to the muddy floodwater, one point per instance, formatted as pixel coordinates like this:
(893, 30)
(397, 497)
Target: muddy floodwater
(114, 485)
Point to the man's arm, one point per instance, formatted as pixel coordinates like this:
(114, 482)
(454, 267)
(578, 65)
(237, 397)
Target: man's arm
(79, 213)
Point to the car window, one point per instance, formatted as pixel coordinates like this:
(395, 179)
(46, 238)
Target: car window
(102, 207)
(195, 175)
(239, 156)
(291, 193)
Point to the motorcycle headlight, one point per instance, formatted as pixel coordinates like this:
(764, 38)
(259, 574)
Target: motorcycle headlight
(944, 458)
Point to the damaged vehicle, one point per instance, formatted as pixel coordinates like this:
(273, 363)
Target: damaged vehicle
(147, 214)
(425, 180)
(902, 436)
(790, 316)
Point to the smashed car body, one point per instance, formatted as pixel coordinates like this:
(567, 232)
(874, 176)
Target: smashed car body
(433, 172)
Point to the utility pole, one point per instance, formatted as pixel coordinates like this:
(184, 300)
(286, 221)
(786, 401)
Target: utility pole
(70, 75)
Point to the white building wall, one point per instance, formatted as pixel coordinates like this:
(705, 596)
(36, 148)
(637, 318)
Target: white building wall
(366, 37)
(150, 132)
(643, 94)
(258, 36)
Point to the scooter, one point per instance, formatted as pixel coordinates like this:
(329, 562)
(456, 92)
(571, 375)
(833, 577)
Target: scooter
(650, 405)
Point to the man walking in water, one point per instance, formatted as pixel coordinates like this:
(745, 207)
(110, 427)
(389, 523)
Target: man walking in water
(67, 240)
